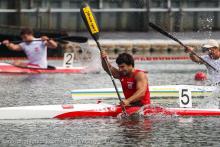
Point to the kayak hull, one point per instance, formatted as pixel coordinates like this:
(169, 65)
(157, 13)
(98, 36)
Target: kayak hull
(71, 111)
(8, 68)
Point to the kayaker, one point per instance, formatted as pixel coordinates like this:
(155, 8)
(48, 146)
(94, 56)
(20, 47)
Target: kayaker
(36, 51)
(213, 58)
(134, 82)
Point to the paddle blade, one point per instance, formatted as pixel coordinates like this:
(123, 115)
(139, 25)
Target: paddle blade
(78, 39)
(90, 21)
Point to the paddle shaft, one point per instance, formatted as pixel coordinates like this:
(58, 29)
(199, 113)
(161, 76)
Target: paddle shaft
(112, 78)
(157, 28)
(92, 27)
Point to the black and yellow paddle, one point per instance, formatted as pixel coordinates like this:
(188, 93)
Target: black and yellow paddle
(89, 20)
(78, 39)
(160, 30)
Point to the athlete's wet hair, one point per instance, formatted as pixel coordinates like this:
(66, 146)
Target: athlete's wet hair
(125, 58)
(26, 31)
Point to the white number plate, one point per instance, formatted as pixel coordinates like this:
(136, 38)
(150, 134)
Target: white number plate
(68, 60)
(185, 98)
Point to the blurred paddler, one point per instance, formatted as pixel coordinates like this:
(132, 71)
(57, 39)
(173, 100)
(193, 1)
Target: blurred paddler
(34, 48)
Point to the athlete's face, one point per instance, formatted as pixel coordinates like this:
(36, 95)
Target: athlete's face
(125, 69)
(27, 37)
(214, 52)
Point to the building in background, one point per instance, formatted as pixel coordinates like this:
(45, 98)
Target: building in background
(112, 15)
(55, 17)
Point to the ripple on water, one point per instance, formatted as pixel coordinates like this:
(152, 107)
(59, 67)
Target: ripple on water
(151, 131)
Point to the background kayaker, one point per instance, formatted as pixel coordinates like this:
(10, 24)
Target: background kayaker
(36, 51)
(213, 58)
(134, 82)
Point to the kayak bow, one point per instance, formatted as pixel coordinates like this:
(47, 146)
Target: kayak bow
(8, 68)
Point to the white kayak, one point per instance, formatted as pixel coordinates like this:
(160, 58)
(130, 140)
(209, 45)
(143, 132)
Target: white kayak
(155, 91)
(71, 111)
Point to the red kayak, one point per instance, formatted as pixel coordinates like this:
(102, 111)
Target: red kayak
(72, 111)
(9, 68)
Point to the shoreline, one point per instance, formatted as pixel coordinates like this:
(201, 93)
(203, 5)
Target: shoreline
(150, 41)
(153, 45)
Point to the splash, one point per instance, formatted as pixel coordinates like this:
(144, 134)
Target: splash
(67, 97)
(149, 112)
(212, 101)
(157, 112)
(134, 116)
(206, 26)
(90, 58)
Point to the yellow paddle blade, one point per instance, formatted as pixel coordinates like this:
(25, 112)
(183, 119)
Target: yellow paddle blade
(89, 20)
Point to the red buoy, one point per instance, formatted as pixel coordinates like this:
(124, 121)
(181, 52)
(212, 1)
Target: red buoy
(200, 76)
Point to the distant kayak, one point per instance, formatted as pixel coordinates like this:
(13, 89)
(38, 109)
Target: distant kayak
(155, 92)
(9, 68)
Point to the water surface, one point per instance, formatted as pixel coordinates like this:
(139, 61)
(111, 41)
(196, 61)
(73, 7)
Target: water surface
(19, 90)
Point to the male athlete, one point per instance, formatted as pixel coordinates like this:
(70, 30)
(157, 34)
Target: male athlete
(34, 48)
(134, 82)
(213, 58)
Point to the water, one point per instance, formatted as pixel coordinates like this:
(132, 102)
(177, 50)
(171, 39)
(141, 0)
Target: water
(18, 90)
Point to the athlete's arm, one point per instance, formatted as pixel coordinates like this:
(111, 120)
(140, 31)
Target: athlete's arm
(12, 46)
(193, 57)
(49, 42)
(114, 71)
(141, 85)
